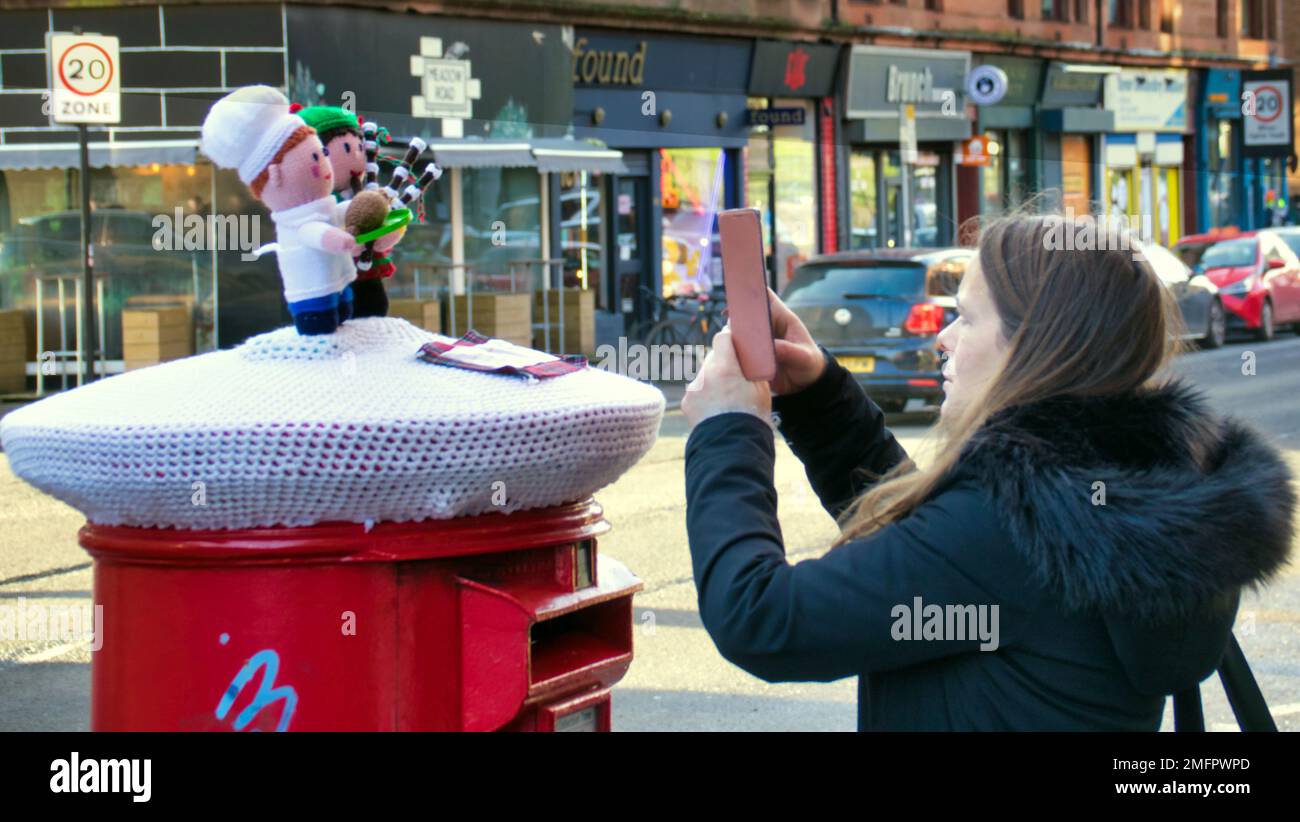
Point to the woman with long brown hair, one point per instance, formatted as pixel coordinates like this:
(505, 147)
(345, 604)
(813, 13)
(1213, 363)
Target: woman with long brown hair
(1075, 553)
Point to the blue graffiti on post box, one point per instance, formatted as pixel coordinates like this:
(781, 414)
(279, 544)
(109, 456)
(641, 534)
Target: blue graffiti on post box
(266, 694)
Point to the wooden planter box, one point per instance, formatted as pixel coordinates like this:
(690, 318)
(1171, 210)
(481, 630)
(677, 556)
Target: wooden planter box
(426, 314)
(13, 351)
(579, 321)
(505, 316)
(154, 335)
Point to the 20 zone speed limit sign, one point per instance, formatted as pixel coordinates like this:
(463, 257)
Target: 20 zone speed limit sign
(85, 78)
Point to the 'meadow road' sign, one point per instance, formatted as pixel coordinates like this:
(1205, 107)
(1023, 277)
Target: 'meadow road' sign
(85, 78)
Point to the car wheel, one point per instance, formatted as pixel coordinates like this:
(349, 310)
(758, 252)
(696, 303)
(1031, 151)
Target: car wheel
(1265, 331)
(892, 406)
(1216, 329)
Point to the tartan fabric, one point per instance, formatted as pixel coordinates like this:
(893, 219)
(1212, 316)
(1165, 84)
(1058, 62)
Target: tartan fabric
(382, 269)
(475, 352)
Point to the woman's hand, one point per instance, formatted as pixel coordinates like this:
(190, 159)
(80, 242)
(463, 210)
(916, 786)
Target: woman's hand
(799, 362)
(721, 387)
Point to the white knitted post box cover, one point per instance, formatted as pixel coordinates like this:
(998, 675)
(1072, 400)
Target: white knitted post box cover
(287, 430)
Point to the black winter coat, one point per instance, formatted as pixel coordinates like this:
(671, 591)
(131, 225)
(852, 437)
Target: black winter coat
(1103, 609)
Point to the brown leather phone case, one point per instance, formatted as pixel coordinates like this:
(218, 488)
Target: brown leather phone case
(748, 310)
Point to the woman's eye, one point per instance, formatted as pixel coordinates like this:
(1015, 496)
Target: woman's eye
(316, 157)
(347, 148)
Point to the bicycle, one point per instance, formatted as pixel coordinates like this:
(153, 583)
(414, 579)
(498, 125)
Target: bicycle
(700, 321)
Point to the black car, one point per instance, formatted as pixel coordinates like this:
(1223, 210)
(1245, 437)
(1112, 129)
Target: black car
(1204, 319)
(879, 313)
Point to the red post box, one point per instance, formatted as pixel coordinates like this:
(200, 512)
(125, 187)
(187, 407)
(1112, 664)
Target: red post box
(495, 622)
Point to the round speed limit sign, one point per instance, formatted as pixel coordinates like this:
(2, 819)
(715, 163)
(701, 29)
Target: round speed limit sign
(85, 77)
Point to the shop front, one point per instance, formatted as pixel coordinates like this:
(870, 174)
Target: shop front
(1011, 137)
(675, 107)
(893, 203)
(519, 214)
(1072, 121)
(790, 160)
(1219, 163)
(1144, 157)
(1267, 144)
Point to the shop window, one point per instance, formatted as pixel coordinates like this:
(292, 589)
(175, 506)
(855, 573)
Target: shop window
(863, 231)
(691, 182)
(991, 177)
(502, 225)
(424, 256)
(150, 244)
(1224, 200)
(1005, 180)
(582, 231)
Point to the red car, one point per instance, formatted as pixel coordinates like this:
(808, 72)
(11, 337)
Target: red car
(1258, 276)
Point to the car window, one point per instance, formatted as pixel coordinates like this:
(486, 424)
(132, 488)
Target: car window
(945, 275)
(1292, 240)
(832, 282)
(1166, 265)
(1230, 253)
(1191, 254)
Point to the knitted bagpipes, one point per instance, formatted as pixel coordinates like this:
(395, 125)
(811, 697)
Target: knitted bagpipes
(352, 144)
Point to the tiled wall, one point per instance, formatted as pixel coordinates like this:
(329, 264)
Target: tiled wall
(175, 61)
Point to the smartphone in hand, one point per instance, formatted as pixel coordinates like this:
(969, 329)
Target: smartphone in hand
(745, 276)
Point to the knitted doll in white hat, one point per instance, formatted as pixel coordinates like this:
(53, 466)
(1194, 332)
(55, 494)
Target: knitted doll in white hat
(281, 160)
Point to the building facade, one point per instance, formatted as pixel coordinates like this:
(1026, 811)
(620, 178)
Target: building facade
(592, 151)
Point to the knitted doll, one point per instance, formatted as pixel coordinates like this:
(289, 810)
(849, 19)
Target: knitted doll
(282, 161)
(341, 132)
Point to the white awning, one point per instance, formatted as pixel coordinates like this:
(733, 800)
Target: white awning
(102, 155)
(554, 154)
(574, 155)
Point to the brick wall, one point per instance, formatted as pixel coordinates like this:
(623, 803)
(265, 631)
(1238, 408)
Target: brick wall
(176, 60)
(1194, 26)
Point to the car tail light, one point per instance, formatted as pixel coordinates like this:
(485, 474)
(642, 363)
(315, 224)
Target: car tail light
(924, 319)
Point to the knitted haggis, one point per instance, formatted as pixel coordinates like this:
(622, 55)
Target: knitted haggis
(282, 161)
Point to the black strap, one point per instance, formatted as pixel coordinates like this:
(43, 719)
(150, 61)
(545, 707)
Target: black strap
(1247, 701)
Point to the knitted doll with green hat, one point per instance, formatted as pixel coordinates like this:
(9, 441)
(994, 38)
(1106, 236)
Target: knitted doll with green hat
(340, 131)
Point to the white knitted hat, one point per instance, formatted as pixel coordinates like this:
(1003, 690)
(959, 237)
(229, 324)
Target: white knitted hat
(352, 426)
(246, 128)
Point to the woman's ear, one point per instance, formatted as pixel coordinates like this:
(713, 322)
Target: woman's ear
(274, 175)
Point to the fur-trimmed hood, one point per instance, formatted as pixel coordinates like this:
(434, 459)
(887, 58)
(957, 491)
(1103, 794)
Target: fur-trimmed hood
(1147, 508)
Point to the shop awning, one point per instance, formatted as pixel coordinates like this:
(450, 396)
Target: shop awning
(102, 155)
(575, 155)
(554, 154)
(481, 154)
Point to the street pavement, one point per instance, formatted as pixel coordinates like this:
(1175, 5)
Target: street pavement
(677, 680)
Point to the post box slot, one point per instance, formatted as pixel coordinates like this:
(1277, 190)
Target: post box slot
(579, 640)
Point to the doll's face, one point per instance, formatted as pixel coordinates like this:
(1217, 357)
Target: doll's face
(348, 159)
(302, 175)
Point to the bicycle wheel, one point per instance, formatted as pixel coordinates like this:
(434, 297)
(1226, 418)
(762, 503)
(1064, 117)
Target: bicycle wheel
(667, 332)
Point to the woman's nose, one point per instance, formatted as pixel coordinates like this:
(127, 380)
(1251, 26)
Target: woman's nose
(941, 341)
